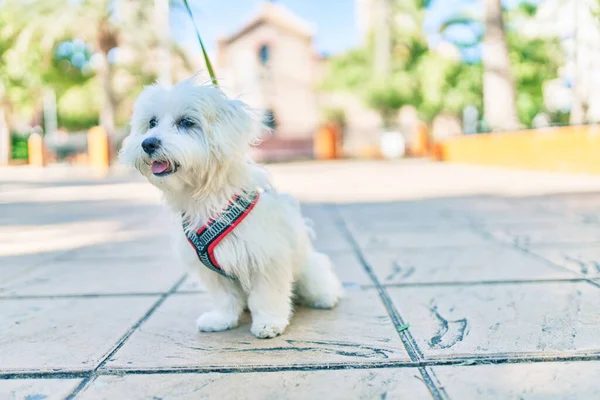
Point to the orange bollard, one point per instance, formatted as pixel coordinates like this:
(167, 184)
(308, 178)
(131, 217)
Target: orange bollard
(35, 147)
(422, 147)
(337, 140)
(325, 143)
(98, 150)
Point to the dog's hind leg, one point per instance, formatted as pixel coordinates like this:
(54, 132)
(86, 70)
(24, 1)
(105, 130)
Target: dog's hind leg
(318, 286)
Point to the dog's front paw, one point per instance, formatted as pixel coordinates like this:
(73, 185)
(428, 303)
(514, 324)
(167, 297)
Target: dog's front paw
(215, 321)
(268, 329)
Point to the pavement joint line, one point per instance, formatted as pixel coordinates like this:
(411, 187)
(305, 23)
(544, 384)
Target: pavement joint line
(362, 287)
(415, 354)
(482, 283)
(432, 248)
(565, 244)
(464, 360)
(488, 236)
(81, 296)
(92, 257)
(93, 374)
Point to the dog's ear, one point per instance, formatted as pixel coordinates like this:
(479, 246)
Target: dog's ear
(244, 121)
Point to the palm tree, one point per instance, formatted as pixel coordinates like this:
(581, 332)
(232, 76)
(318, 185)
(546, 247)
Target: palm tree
(43, 24)
(499, 90)
(125, 25)
(382, 36)
(499, 94)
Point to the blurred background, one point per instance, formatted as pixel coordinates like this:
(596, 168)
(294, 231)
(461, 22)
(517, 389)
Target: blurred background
(335, 78)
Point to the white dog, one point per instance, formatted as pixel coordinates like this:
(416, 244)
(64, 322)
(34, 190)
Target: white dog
(249, 244)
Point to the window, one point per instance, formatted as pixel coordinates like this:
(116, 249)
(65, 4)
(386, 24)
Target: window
(264, 54)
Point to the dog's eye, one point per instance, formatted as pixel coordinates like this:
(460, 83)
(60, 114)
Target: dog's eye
(153, 122)
(185, 123)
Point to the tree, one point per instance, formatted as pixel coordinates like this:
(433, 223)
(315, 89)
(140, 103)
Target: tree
(534, 62)
(499, 95)
(48, 23)
(121, 38)
(417, 76)
(531, 61)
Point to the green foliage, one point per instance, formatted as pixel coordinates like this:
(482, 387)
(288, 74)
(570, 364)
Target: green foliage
(427, 80)
(387, 100)
(335, 115)
(534, 62)
(35, 55)
(20, 150)
(527, 8)
(78, 107)
(435, 84)
(348, 71)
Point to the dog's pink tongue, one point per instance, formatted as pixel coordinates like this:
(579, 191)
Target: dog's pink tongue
(159, 167)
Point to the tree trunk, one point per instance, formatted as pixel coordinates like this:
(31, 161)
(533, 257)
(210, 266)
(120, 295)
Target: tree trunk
(382, 35)
(107, 40)
(579, 108)
(108, 110)
(499, 94)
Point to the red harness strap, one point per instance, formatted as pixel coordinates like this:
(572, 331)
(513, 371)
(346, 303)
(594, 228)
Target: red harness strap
(206, 239)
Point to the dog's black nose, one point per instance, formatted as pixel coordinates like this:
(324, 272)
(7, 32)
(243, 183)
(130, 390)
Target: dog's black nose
(150, 145)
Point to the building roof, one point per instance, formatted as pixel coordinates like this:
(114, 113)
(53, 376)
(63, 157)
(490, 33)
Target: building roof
(275, 14)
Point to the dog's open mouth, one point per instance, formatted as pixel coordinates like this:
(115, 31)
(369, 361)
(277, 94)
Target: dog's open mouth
(163, 168)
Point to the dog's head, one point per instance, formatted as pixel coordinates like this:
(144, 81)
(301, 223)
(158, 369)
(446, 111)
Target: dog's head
(184, 134)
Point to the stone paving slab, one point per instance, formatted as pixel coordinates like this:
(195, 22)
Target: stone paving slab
(490, 319)
(359, 330)
(422, 238)
(191, 285)
(318, 214)
(37, 389)
(329, 238)
(349, 269)
(18, 241)
(125, 275)
(341, 384)
(509, 213)
(398, 216)
(16, 263)
(490, 262)
(128, 244)
(550, 233)
(64, 334)
(480, 267)
(581, 259)
(548, 381)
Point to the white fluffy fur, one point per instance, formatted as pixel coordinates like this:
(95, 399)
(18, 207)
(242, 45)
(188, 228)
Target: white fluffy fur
(270, 252)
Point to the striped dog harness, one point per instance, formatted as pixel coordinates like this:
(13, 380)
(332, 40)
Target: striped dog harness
(206, 239)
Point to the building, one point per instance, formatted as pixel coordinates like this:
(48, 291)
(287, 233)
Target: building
(271, 64)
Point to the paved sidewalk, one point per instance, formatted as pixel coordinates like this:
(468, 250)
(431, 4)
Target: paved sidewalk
(496, 271)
